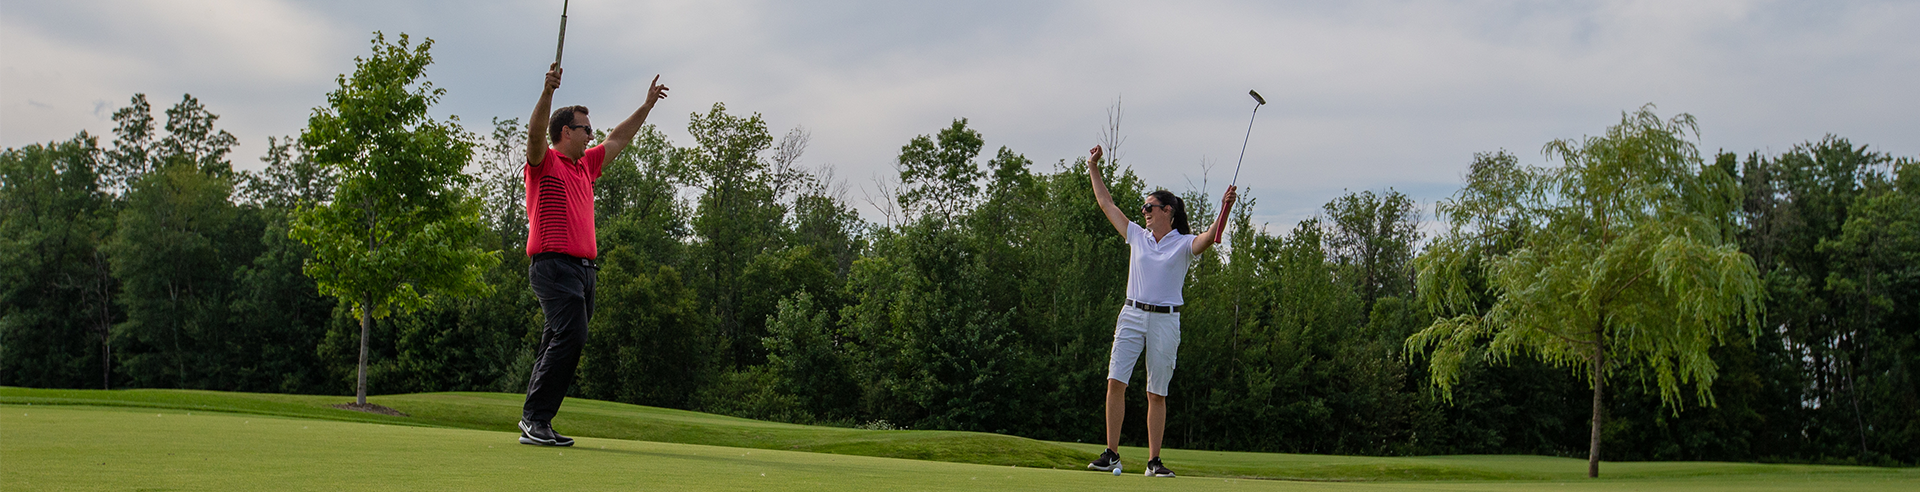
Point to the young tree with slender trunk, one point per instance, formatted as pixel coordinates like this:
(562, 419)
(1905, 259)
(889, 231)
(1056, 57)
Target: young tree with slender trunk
(400, 227)
(1620, 262)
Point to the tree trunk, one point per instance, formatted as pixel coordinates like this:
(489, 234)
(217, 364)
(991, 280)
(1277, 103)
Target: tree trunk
(1599, 384)
(1853, 391)
(180, 365)
(103, 317)
(366, 319)
(106, 363)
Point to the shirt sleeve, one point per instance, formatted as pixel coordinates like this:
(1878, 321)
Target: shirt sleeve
(593, 160)
(1133, 231)
(538, 169)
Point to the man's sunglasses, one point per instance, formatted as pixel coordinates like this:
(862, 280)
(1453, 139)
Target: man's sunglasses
(588, 127)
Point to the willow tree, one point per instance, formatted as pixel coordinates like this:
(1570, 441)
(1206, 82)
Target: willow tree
(1621, 262)
(399, 229)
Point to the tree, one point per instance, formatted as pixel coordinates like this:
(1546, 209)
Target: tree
(56, 293)
(932, 354)
(400, 228)
(174, 246)
(939, 178)
(1625, 260)
(806, 357)
(133, 146)
(278, 311)
(502, 187)
(1372, 239)
(1822, 281)
(739, 218)
(169, 252)
(290, 179)
(1054, 260)
(1875, 286)
(651, 344)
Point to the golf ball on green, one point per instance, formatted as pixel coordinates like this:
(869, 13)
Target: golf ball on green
(1116, 471)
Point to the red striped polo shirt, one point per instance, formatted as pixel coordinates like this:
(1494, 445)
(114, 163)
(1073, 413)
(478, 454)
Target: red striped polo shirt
(560, 203)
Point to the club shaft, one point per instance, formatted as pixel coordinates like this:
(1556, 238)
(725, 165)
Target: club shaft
(1243, 146)
(562, 48)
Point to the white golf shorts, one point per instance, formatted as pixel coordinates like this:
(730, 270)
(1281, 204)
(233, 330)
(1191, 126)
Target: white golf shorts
(1155, 334)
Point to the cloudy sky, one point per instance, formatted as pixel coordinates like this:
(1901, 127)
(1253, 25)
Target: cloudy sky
(1363, 95)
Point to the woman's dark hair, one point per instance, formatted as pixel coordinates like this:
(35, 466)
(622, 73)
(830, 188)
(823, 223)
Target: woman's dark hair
(1179, 209)
(561, 118)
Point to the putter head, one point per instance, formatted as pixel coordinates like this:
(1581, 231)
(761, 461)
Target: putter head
(1256, 97)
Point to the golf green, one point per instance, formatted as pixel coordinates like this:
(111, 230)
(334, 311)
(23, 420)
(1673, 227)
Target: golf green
(207, 440)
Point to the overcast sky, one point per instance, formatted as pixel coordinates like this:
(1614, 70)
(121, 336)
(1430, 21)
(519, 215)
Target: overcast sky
(1362, 95)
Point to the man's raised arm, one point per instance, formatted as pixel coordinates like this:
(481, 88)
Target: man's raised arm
(622, 135)
(537, 126)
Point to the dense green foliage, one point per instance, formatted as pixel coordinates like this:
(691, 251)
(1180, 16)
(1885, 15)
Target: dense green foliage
(55, 279)
(738, 281)
(1622, 260)
(399, 230)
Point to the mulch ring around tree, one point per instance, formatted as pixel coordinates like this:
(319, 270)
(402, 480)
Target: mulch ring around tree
(371, 408)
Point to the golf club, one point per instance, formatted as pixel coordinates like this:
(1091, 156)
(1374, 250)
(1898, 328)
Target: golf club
(562, 48)
(1259, 101)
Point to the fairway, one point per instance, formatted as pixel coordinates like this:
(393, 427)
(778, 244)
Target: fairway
(130, 447)
(590, 418)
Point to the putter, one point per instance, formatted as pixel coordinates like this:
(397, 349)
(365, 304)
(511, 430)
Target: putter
(562, 48)
(1260, 101)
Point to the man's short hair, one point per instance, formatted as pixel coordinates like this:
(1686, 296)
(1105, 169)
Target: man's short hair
(561, 118)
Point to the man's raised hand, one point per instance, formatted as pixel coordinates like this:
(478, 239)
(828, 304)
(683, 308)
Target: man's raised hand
(553, 77)
(655, 91)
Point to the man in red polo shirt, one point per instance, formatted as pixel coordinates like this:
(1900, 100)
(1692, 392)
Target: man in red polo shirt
(560, 240)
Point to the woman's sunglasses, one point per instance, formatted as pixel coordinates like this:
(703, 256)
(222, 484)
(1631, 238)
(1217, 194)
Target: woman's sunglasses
(1148, 207)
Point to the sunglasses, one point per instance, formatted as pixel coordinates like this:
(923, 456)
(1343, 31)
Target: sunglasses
(1148, 207)
(588, 127)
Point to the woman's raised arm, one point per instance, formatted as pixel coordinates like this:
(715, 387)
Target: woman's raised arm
(1102, 197)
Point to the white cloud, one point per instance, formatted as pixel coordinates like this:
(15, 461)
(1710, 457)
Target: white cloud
(80, 61)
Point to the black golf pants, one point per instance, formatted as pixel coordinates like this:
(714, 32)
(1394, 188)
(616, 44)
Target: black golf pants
(565, 288)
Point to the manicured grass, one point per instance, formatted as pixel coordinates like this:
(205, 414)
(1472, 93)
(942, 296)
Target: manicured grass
(121, 448)
(591, 418)
(1316, 467)
(124, 448)
(119, 440)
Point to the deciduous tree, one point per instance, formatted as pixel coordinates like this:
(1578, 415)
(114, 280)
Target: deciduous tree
(400, 227)
(56, 290)
(1623, 263)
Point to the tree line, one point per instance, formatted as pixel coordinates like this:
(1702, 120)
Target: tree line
(736, 280)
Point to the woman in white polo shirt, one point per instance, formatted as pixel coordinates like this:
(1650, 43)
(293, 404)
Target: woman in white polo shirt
(1150, 320)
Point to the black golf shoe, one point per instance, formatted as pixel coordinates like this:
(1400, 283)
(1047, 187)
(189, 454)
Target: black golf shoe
(1109, 460)
(542, 434)
(1155, 469)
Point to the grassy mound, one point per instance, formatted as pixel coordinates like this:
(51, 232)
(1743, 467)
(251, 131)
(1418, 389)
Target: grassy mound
(66, 447)
(592, 418)
(113, 421)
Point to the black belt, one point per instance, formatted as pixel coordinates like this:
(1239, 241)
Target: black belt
(1152, 308)
(539, 257)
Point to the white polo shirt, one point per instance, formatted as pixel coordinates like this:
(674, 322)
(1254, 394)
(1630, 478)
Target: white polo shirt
(1157, 270)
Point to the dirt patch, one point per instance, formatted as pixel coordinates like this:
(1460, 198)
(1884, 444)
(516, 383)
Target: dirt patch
(371, 408)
